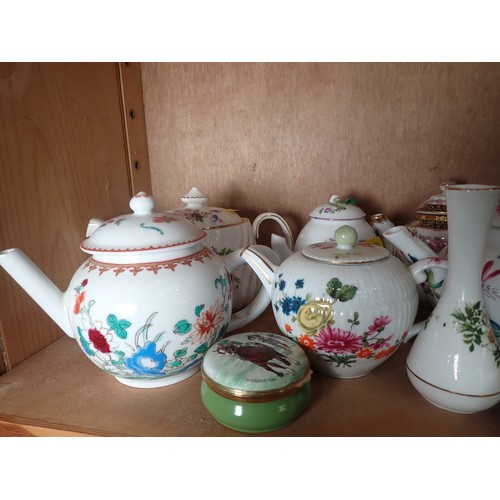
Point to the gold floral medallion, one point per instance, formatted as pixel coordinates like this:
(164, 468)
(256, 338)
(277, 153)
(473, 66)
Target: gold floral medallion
(315, 314)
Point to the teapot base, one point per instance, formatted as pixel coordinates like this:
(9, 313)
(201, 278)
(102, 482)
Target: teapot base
(160, 381)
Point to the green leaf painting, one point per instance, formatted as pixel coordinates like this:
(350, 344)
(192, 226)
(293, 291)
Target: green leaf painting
(182, 327)
(118, 325)
(341, 292)
(198, 309)
(472, 323)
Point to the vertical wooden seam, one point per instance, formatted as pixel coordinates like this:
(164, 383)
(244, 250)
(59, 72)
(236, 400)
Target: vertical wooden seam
(4, 356)
(125, 127)
(134, 127)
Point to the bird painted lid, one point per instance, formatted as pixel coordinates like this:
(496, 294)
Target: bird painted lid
(203, 216)
(338, 210)
(142, 231)
(255, 367)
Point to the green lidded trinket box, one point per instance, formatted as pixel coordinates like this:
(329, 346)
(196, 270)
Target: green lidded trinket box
(256, 382)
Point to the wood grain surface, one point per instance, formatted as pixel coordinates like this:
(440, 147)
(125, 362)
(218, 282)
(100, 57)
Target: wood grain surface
(282, 137)
(63, 159)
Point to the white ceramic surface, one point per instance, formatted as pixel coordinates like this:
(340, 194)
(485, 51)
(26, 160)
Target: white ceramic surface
(412, 249)
(349, 305)
(226, 231)
(324, 220)
(148, 302)
(454, 361)
(490, 275)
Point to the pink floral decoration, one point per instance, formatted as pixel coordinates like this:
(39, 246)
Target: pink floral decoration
(336, 340)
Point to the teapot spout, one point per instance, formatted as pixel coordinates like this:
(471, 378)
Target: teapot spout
(261, 265)
(36, 285)
(381, 223)
(415, 250)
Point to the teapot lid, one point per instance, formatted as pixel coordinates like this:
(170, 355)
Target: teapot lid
(436, 204)
(203, 216)
(142, 231)
(338, 210)
(255, 366)
(345, 250)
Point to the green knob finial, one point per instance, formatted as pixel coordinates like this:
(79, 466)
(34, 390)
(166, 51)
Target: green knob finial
(345, 237)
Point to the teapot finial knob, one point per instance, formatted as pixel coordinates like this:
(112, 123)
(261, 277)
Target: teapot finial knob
(345, 237)
(194, 198)
(445, 184)
(142, 204)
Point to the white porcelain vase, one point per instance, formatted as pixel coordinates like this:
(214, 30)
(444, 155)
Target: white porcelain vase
(455, 362)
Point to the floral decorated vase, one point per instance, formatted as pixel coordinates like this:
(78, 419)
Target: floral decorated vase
(490, 274)
(348, 304)
(490, 277)
(454, 362)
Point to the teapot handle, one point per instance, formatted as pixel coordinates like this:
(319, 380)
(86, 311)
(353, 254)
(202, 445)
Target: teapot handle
(276, 218)
(419, 275)
(418, 268)
(260, 303)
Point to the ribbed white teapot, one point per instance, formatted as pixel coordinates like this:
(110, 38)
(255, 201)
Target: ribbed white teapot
(349, 304)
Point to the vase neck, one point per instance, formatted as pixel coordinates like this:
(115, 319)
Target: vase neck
(470, 212)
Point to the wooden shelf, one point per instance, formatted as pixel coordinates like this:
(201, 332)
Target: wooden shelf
(59, 392)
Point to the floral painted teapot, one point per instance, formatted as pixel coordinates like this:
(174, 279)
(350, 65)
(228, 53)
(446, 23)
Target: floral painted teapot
(150, 299)
(226, 232)
(350, 305)
(323, 221)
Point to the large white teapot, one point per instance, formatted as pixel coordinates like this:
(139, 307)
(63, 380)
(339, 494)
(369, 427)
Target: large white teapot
(148, 302)
(323, 221)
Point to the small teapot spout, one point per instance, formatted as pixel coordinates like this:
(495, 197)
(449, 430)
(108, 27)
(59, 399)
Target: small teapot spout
(381, 223)
(415, 250)
(261, 264)
(37, 285)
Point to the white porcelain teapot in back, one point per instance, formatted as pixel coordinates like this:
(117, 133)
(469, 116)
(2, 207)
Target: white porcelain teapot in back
(149, 301)
(323, 221)
(226, 231)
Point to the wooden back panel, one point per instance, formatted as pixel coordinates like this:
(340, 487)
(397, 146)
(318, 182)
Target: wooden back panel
(64, 157)
(283, 137)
